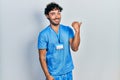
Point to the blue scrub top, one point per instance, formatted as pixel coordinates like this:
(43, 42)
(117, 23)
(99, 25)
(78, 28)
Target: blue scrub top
(59, 61)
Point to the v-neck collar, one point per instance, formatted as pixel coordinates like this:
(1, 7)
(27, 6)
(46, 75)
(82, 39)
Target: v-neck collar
(54, 31)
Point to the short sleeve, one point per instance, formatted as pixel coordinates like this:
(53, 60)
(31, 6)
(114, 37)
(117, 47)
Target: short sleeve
(71, 33)
(42, 41)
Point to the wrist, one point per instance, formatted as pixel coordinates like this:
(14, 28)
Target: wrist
(48, 75)
(77, 32)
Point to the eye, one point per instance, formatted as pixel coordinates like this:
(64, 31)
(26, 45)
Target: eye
(59, 13)
(52, 13)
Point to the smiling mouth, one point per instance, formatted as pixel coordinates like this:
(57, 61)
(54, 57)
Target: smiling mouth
(56, 19)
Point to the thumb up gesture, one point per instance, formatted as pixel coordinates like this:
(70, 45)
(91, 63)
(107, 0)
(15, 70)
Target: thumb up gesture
(76, 25)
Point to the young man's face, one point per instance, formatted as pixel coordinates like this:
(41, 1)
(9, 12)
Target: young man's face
(54, 17)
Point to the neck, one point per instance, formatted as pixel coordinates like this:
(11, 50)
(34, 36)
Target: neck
(55, 27)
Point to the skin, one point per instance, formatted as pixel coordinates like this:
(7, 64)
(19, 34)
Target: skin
(54, 17)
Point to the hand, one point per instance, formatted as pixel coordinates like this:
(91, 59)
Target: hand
(50, 78)
(76, 25)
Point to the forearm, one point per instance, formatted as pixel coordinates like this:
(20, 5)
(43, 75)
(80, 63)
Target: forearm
(44, 65)
(76, 41)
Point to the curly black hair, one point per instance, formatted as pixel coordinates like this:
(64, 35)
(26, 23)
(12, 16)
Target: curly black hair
(52, 6)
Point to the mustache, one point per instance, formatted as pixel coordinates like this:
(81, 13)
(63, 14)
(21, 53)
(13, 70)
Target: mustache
(57, 18)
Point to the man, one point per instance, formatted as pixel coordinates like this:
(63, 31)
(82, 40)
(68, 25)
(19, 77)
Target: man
(54, 43)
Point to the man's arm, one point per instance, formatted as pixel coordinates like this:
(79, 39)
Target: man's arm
(75, 42)
(42, 58)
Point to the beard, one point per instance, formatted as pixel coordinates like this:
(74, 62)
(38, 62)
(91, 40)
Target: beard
(55, 22)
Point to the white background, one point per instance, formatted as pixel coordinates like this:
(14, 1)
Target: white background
(98, 57)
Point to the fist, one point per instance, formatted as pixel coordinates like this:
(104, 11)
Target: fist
(76, 25)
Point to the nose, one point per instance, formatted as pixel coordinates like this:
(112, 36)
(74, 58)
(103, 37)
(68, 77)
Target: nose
(57, 15)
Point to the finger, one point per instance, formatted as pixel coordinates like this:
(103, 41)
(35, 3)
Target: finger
(80, 23)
